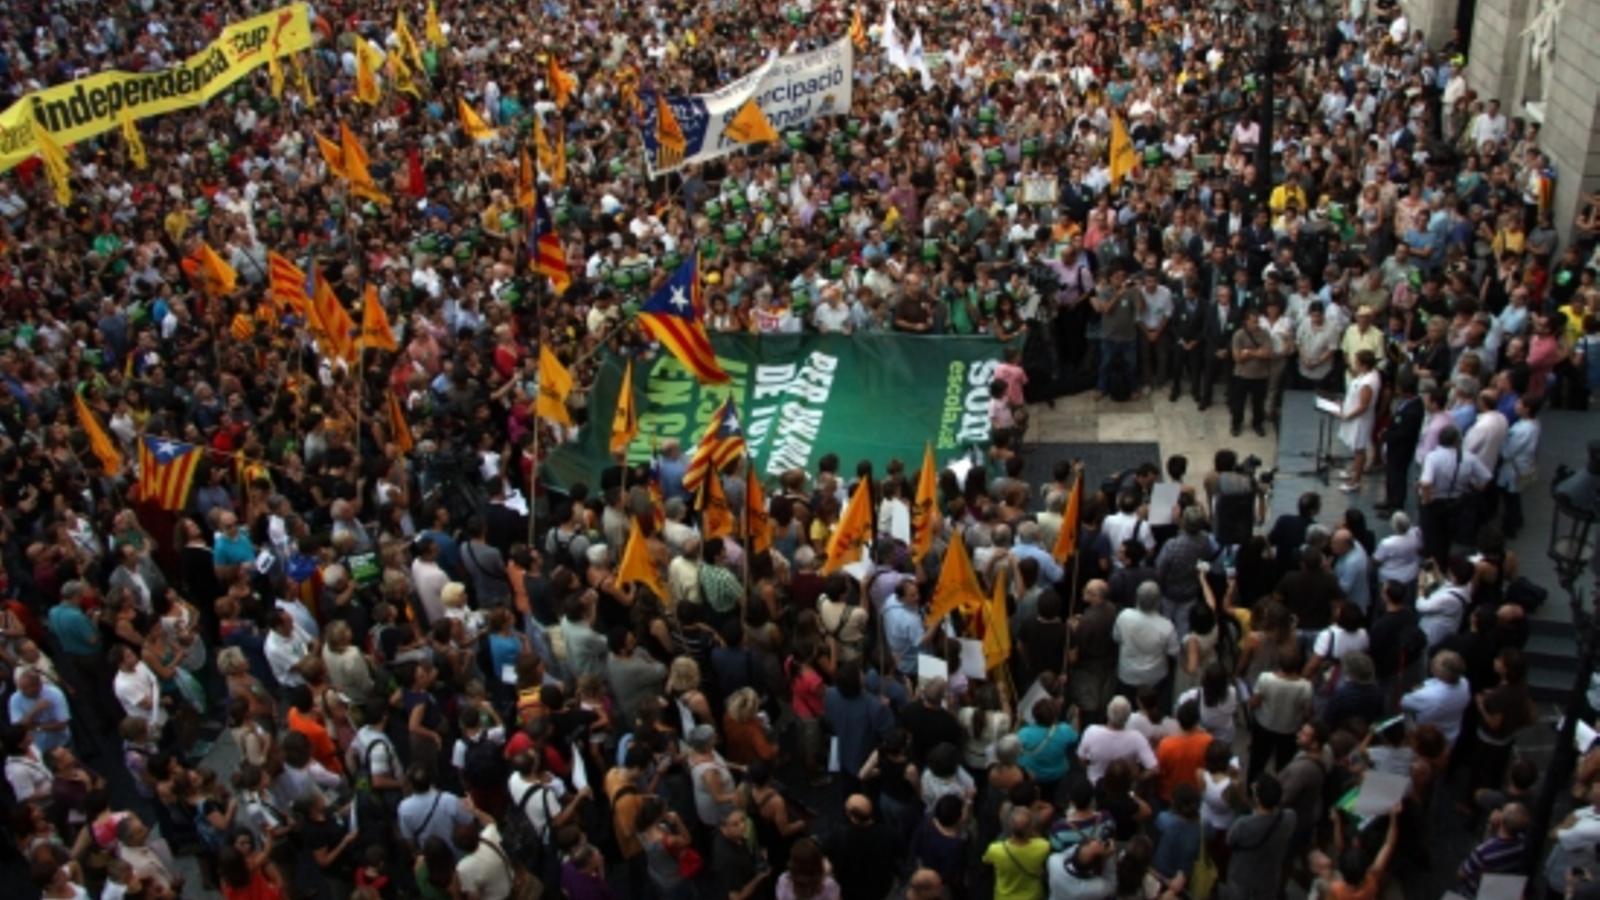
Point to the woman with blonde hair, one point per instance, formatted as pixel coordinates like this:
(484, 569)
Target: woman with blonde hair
(683, 689)
(454, 598)
(745, 733)
(348, 670)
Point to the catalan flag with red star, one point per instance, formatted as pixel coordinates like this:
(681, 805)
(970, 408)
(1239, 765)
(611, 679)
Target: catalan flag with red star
(544, 249)
(674, 316)
(722, 443)
(166, 470)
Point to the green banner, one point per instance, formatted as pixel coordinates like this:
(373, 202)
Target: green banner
(876, 397)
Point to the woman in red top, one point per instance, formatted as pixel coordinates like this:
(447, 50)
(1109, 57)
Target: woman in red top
(805, 692)
(244, 873)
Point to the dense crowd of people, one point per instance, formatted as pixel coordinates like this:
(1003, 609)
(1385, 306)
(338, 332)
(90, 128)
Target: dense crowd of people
(435, 676)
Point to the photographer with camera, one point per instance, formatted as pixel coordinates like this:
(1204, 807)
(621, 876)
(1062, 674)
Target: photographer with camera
(1237, 494)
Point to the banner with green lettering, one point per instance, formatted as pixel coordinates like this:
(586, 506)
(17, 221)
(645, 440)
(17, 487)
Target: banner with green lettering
(799, 397)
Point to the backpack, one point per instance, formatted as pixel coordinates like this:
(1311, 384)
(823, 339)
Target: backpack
(485, 767)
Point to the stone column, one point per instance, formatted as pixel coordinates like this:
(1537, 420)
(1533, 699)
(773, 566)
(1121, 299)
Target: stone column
(1571, 132)
(1497, 48)
(1434, 17)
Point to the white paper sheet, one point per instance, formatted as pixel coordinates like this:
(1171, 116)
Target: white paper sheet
(833, 754)
(508, 674)
(1331, 407)
(1163, 495)
(1380, 791)
(1034, 694)
(931, 667)
(580, 769)
(1584, 736)
(972, 662)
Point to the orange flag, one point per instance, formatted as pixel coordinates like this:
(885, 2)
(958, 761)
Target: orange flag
(854, 530)
(636, 566)
(332, 322)
(925, 513)
(757, 522)
(398, 426)
(562, 83)
(958, 584)
(375, 331)
(1067, 538)
(996, 625)
(100, 442)
(333, 155)
(355, 167)
(716, 520)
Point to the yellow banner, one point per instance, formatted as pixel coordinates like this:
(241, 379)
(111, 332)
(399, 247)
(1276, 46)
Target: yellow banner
(82, 109)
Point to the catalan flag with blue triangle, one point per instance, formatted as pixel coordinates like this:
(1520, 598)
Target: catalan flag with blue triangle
(545, 255)
(166, 470)
(674, 316)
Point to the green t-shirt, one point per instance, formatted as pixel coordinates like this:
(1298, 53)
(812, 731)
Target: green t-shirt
(1018, 869)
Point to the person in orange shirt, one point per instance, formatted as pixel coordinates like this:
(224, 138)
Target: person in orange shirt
(304, 719)
(1180, 756)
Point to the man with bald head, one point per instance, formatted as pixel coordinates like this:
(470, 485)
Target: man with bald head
(1094, 653)
(862, 851)
(1353, 568)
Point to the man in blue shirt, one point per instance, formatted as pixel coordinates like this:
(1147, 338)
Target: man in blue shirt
(902, 625)
(43, 709)
(71, 625)
(1028, 548)
(231, 546)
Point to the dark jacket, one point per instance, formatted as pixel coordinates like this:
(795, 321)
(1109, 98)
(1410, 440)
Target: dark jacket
(1187, 323)
(1405, 429)
(1219, 333)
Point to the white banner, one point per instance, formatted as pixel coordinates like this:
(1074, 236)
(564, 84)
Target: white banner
(792, 90)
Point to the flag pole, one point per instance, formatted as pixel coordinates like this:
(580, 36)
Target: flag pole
(1072, 602)
(533, 466)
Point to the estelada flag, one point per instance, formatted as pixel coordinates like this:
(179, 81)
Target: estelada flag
(562, 83)
(958, 584)
(722, 443)
(375, 331)
(545, 254)
(925, 513)
(1067, 537)
(555, 383)
(166, 470)
(716, 519)
(625, 421)
(636, 566)
(398, 426)
(473, 124)
(672, 316)
(286, 283)
(850, 536)
(750, 125)
(757, 522)
(100, 442)
(858, 30)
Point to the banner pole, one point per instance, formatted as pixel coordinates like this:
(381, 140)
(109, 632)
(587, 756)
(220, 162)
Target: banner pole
(533, 466)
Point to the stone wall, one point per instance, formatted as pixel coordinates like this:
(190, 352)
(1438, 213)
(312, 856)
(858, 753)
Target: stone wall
(1496, 52)
(1435, 17)
(1571, 133)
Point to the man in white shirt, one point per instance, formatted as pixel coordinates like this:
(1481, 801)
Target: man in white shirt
(1104, 744)
(1575, 842)
(1146, 640)
(138, 690)
(484, 870)
(683, 574)
(372, 753)
(286, 646)
(1448, 474)
(1488, 431)
(430, 579)
(1155, 309)
(1126, 524)
(1489, 126)
(832, 315)
(1441, 700)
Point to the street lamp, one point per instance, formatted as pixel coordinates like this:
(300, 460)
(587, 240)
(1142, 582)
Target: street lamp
(1577, 496)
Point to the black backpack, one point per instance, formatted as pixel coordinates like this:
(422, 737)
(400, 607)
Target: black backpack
(485, 767)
